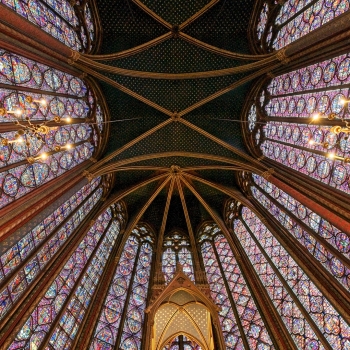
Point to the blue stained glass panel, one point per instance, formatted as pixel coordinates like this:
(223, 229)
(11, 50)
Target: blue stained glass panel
(18, 254)
(49, 306)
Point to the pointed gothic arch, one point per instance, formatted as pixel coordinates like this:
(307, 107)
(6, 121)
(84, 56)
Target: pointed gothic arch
(181, 291)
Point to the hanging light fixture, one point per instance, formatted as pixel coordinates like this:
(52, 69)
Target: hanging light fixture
(27, 131)
(335, 130)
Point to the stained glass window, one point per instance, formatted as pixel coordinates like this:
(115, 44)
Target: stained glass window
(176, 251)
(70, 24)
(262, 21)
(293, 105)
(230, 292)
(294, 19)
(70, 293)
(309, 317)
(67, 143)
(21, 264)
(318, 236)
(120, 323)
(169, 264)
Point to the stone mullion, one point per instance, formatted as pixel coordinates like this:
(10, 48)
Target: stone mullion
(302, 148)
(30, 34)
(264, 304)
(323, 279)
(309, 91)
(295, 15)
(147, 319)
(79, 12)
(233, 304)
(333, 49)
(320, 44)
(280, 332)
(336, 198)
(55, 323)
(196, 266)
(15, 42)
(290, 291)
(7, 279)
(326, 195)
(126, 303)
(333, 217)
(159, 251)
(85, 333)
(14, 320)
(306, 228)
(26, 207)
(44, 4)
(38, 91)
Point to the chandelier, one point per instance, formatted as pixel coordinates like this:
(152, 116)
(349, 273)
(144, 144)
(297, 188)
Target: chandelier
(28, 131)
(344, 127)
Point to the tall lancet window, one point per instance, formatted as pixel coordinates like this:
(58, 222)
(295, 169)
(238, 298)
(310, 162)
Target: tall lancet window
(176, 250)
(239, 315)
(44, 129)
(299, 120)
(326, 243)
(308, 315)
(55, 321)
(71, 22)
(23, 262)
(278, 27)
(120, 323)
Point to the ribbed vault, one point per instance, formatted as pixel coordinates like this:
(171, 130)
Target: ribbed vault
(175, 94)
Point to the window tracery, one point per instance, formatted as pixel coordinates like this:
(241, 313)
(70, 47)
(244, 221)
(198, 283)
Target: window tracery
(69, 22)
(230, 291)
(279, 25)
(176, 250)
(39, 93)
(22, 263)
(291, 121)
(309, 317)
(56, 319)
(325, 242)
(120, 323)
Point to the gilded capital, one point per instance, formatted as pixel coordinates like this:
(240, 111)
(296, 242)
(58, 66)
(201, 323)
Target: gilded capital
(267, 174)
(88, 175)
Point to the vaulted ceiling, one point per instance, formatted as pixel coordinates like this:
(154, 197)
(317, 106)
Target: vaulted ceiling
(224, 24)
